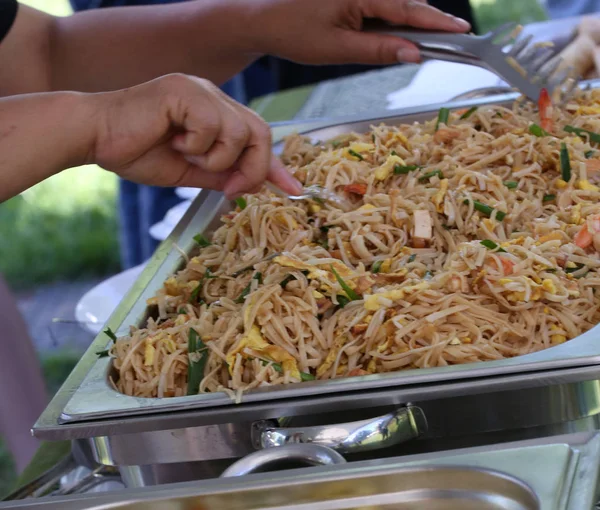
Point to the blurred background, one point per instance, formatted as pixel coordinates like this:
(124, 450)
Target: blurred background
(60, 237)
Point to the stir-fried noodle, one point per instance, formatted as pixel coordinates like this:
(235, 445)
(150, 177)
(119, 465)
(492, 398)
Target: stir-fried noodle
(472, 241)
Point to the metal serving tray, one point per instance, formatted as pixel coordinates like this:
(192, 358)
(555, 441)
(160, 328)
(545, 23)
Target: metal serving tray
(556, 473)
(87, 394)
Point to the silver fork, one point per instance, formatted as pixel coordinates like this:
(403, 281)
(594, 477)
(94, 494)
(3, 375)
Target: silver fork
(314, 192)
(524, 66)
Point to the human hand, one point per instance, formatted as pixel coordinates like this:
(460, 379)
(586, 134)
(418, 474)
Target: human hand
(329, 31)
(183, 131)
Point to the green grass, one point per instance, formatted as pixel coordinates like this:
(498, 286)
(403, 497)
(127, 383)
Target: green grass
(63, 228)
(489, 14)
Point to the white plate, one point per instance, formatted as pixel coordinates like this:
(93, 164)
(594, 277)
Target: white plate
(96, 305)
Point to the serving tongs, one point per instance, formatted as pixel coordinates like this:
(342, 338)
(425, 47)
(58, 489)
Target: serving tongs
(524, 66)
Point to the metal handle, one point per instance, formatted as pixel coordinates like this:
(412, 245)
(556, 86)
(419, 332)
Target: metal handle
(482, 92)
(393, 428)
(272, 459)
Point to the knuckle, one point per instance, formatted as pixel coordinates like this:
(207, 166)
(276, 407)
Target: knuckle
(175, 81)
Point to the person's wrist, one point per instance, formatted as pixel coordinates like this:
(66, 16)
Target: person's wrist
(82, 126)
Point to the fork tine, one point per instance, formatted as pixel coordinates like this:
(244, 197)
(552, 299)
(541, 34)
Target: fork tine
(549, 67)
(559, 78)
(519, 46)
(541, 59)
(507, 29)
(527, 55)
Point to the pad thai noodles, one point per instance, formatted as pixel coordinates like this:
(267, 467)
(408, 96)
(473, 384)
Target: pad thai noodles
(471, 237)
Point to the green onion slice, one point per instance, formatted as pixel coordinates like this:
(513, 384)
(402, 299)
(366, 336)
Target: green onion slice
(468, 113)
(594, 137)
(442, 117)
(491, 245)
(353, 296)
(565, 163)
(486, 209)
(197, 356)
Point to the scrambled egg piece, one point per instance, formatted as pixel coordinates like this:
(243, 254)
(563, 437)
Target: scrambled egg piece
(587, 186)
(149, 351)
(576, 215)
(588, 110)
(372, 300)
(314, 272)
(286, 220)
(372, 366)
(386, 265)
(329, 360)
(519, 241)
(557, 339)
(548, 286)
(554, 236)
(520, 296)
(254, 340)
(361, 147)
(385, 170)
(366, 207)
(314, 208)
(401, 138)
(438, 198)
(560, 184)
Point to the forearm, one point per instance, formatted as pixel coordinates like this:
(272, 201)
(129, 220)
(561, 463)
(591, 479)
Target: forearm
(42, 134)
(115, 48)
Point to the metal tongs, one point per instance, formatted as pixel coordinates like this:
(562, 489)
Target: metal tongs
(524, 66)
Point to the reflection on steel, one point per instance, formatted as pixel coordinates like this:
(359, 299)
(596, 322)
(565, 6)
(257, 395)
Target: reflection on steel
(291, 455)
(393, 428)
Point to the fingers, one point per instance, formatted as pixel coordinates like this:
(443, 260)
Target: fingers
(254, 164)
(376, 49)
(413, 13)
(279, 175)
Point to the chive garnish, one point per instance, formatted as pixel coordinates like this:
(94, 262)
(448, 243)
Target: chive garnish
(565, 163)
(181, 311)
(588, 154)
(278, 368)
(353, 296)
(538, 131)
(240, 299)
(287, 280)
(355, 154)
(325, 228)
(442, 117)
(342, 300)
(241, 203)
(376, 267)
(511, 184)
(594, 137)
(201, 240)
(412, 258)
(429, 175)
(197, 357)
(109, 333)
(399, 169)
(468, 113)
(548, 198)
(486, 209)
(491, 245)
(103, 354)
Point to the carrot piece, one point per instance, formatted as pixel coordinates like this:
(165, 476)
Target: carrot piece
(507, 265)
(358, 189)
(545, 108)
(583, 238)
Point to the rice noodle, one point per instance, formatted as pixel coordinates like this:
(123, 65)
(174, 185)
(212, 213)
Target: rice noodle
(440, 300)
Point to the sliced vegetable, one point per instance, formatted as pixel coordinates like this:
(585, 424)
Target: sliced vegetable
(593, 137)
(257, 276)
(357, 189)
(355, 154)
(335, 143)
(103, 354)
(511, 184)
(325, 228)
(412, 258)
(278, 368)
(241, 203)
(318, 200)
(376, 267)
(548, 198)
(323, 243)
(468, 113)
(196, 293)
(574, 269)
(202, 241)
(197, 357)
(109, 333)
(583, 238)
(565, 163)
(181, 311)
(588, 154)
(486, 209)
(399, 169)
(545, 108)
(442, 117)
(491, 245)
(352, 296)
(536, 130)
(425, 177)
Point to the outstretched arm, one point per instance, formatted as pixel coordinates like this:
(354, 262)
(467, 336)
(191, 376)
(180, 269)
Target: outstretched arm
(108, 49)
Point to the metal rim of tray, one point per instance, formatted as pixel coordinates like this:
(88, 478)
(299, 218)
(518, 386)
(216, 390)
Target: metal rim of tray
(86, 395)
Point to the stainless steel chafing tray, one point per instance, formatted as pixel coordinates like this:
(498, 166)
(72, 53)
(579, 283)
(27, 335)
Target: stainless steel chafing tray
(87, 394)
(559, 473)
